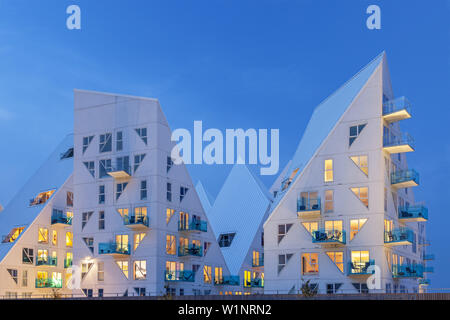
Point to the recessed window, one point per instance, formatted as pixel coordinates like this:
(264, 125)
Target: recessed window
(69, 239)
(101, 220)
(101, 271)
(138, 237)
(119, 141)
(169, 163)
(69, 199)
(105, 166)
(142, 132)
(311, 226)
(138, 160)
(123, 265)
(226, 239)
(169, 191)
(207, 276)
(355, 226)
(183, 191)
(283, 229)
(90, 166)
(362, 194)
(13, 235)
(283, 260)
(329, 201)
(105, 142)
(362, 163)
(101, 194)
(41, 198)
(14, 274)
(86, 142)
(328, 173)
(355, 131)
(67, 155)
(171, 244)
(338, 258)
(143, 190)
(120, 188)
(85, 216)
(140, 270)
(43, 235)
(169, 214)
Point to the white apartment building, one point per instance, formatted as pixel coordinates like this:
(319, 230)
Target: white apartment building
(36, 244)
(347, 200)
(237, 218)
(139, 226)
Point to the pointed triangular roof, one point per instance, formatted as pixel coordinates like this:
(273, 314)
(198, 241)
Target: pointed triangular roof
(240, 208)
(205, 198)
(51, 175)
(325, 117)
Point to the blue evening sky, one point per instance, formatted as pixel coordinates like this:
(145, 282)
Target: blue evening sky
(229, 63)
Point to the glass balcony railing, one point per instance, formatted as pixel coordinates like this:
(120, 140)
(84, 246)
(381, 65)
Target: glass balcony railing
(306, 206)
(48, 283)
(326, 236)
(405, 178)
(360, 268)
(401, 236)
(257, 283)
(113, 248)
(413, 213)
(227, 281)
(193, 225)
(60, 218)
(47, 261)
(428, 256)
(136, 221)
(407, 271)
(258, 262)
(190, 250)
(185, 275)
(424, 282)
(68, 263)
(398, 143)
(397, 109)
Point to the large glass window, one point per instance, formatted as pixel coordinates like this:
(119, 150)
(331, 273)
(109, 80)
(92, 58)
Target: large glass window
(362, 194)
(171, 244)
(310, 263)
(43, 235)
(328, 173)
(355, 227)
(105, 142)
(362, 163)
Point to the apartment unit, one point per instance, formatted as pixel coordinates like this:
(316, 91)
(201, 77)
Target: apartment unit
(139, 225)
(237, 218)
(346, 206)
(36, 244)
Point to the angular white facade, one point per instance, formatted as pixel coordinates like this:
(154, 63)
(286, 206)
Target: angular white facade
(347, 200)
(139, 225)
(237, 217)
(36, 246)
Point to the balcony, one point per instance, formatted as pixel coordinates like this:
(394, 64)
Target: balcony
(258, 262)
(114, 249)
(190, 250)
(308, 208)
(60, 219)
(424, 282)
(396, 110)
(120, 171)
(68, 263)
(329, 237)
(398, 237)
(404, 179)
(185, 276)
(428, 256)
(360, 268)
(47, 261)
(134, 222)
(227, 281)
(48, 283)
(195, 225)
(399, 143)
(407, 271)
(257, 283)
(417, 213)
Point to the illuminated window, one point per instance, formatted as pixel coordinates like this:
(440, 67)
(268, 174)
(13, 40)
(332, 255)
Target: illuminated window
(100, 271)
(355, 131)
(362, 163)
(360, 259)
(218, 275)
(329, 204)
(169, 214)
(311, 226)
(105, 142)
(42, 256)
(43, 235)
(184, 221)
(247, 278)
(13, 235)
(207, 278)
(328, 173)
(85, 268)
(101, 194)
(388, 225)
(54, 237)
(138, 239)
(140, 270)
(206, 246)
(122, 243)
(355, 227)
(362, 194)
(123, 265)
(335, 225)
(140, 212)
(41, 198)
(69, 199)
(171, 245)
(256, 260)
(310, 263)
(138, 160)
(69, 239)
(338, 259)
(89, 243)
